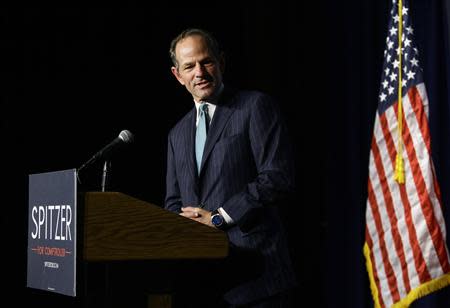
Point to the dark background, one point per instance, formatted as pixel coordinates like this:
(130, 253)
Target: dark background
(73, 78)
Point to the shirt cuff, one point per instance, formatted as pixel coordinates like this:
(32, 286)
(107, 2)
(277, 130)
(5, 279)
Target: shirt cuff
(227, 217)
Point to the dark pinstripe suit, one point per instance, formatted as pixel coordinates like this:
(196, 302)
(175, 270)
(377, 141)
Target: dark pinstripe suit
(246, 168)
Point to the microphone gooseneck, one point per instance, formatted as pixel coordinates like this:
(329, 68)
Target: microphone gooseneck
(125, 137)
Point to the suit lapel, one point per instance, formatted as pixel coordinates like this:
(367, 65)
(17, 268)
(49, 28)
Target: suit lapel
(221, 116)
(190, 145)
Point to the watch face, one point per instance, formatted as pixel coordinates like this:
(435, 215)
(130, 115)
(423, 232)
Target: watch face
(217, 220)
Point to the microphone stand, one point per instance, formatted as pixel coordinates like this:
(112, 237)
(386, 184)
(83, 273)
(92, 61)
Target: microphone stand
(105, 177)
(105, 184)
(106, 296)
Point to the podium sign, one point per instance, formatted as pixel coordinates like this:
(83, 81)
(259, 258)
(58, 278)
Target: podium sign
(52, 232)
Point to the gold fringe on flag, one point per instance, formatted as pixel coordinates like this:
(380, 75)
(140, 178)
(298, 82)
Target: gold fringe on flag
(369, 268)
(422, 290)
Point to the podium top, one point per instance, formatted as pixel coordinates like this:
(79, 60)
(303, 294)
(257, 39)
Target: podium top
(119, 227)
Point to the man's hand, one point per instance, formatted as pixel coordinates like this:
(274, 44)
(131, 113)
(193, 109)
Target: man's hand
(197, 214)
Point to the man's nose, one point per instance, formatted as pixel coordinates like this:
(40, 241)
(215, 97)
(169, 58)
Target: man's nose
(199, 70)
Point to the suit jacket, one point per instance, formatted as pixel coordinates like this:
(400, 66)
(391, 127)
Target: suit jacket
(247, 167)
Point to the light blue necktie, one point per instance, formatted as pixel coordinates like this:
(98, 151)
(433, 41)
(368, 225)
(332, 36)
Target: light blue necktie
(200, 135)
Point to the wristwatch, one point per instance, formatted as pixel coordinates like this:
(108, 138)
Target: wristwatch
(217, 220)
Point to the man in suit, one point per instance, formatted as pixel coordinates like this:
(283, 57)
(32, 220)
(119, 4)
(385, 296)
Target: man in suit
(233, 180)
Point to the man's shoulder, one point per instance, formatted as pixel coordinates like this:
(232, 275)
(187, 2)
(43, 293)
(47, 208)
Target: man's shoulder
(251, 94)
(247, 97)
(183, 123)
(255, 99)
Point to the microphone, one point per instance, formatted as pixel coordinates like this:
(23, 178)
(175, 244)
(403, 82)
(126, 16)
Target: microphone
(124, 137)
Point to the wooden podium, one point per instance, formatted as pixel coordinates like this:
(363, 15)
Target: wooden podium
(115, 228)
(119, 227)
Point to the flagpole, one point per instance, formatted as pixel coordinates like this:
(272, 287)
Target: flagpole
(399, 174)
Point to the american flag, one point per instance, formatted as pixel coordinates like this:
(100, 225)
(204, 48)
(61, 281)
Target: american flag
(405, 249)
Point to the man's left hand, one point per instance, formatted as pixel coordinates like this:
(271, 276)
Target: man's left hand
(197, 214)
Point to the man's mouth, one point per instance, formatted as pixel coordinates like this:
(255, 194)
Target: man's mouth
(202, 84)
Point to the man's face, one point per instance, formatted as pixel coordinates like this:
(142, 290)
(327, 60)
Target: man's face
(198, 70)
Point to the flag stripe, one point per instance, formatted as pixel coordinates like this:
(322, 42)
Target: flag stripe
(415, 253)
(429, 202)
(389, 273)
(375, 273)
(434, 209)
(390, 221)
(416, 97)
(419, 107)
(375, 252)
(418, 220)
(414, 192)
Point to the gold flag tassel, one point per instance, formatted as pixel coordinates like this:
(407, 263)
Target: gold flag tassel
(399, 175)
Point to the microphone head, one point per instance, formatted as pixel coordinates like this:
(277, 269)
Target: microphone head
(126, 136)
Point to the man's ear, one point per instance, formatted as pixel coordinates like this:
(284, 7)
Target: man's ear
(177, 74)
